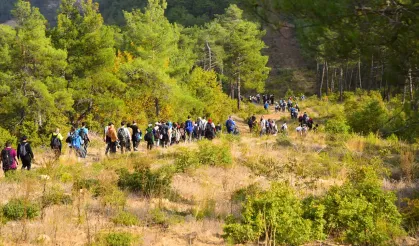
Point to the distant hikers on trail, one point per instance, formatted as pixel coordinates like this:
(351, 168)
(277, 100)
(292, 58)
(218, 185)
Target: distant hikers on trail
(162, 133)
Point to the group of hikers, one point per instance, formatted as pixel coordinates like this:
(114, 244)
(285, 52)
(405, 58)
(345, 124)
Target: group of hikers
(161, 134)
(164, 134)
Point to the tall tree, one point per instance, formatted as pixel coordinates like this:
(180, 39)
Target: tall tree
(31, 81)
(91, 58)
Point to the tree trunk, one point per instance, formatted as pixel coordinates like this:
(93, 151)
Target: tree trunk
(341, 85)
(322, 80)
(350, 79)
(238, 91)
(404, 92)
(327, 79)
(332, 85)
(409, 76)
(156, 102)
(359, 73)
(209, 56)
(232, 90)
(372, 80)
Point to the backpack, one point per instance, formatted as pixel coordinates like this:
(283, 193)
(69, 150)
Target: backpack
(189, 126)
(209, 131)
(55, 142)
(148, 136)
(7, 159)
(138, 136)
(83, 135)
(122, 134)
(250, 122)
(229, 124)
(164, 130)
(22, 150)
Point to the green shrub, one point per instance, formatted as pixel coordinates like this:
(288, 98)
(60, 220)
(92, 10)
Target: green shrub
(164, 217)
(117, 239)
(111, 196)
(337, 126)
(411, 217)
(55, 196)
(146, 182)
(17, 209)
(206, 209)
(360, 212)
(185, 159)
(283, 140)
(366, 116)
(4, 137)
(126, 219)
(276, 214)
(214, 155)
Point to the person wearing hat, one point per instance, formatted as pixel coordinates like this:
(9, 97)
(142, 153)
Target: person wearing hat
(25, 154)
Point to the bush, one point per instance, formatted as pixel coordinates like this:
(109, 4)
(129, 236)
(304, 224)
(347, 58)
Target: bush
(145, 181)
(17, 209)
(283, 140)
(411, 217)
(126, 219)
(337, 126)
(360, 212)
(276, 214)
(55, 196)
(185, 159)
(214, 155)
(5, 136)
(366, 116)
(117, 239)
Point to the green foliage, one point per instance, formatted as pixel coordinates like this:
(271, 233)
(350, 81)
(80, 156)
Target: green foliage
(146, 182)
(214, 155)
(116, 239)
(18, 209)
(276, 214)
(55, 196)
(360, 212)
(185, 159)
(411, 216)
(126, 219)
(5, 136)
(337, 126)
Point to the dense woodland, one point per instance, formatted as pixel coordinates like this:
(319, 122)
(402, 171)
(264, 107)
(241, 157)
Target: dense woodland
(148, 69)
(152, 60)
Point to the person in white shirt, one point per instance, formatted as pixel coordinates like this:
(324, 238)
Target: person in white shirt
(262, 126)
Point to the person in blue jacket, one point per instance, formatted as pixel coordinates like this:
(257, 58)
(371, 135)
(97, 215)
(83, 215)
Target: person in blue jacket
(230, 125)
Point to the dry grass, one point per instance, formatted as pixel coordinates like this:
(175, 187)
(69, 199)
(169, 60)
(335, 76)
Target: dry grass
(204, 195)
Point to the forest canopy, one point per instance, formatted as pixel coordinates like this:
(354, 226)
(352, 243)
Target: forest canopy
(149, 69)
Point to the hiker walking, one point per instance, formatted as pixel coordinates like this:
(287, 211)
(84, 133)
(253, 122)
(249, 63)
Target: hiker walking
(251, 122)
(136, 135)
(25, 153)
(149, 136)
(262, 125)
(9, 158)
(209, 132)
(189, 127)
(111, 138)
(124, 138)
(84, 135)
(164, 130)
(266, 106)
(56, 142)
(284, 128)
(230, 125)
(75, 142)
